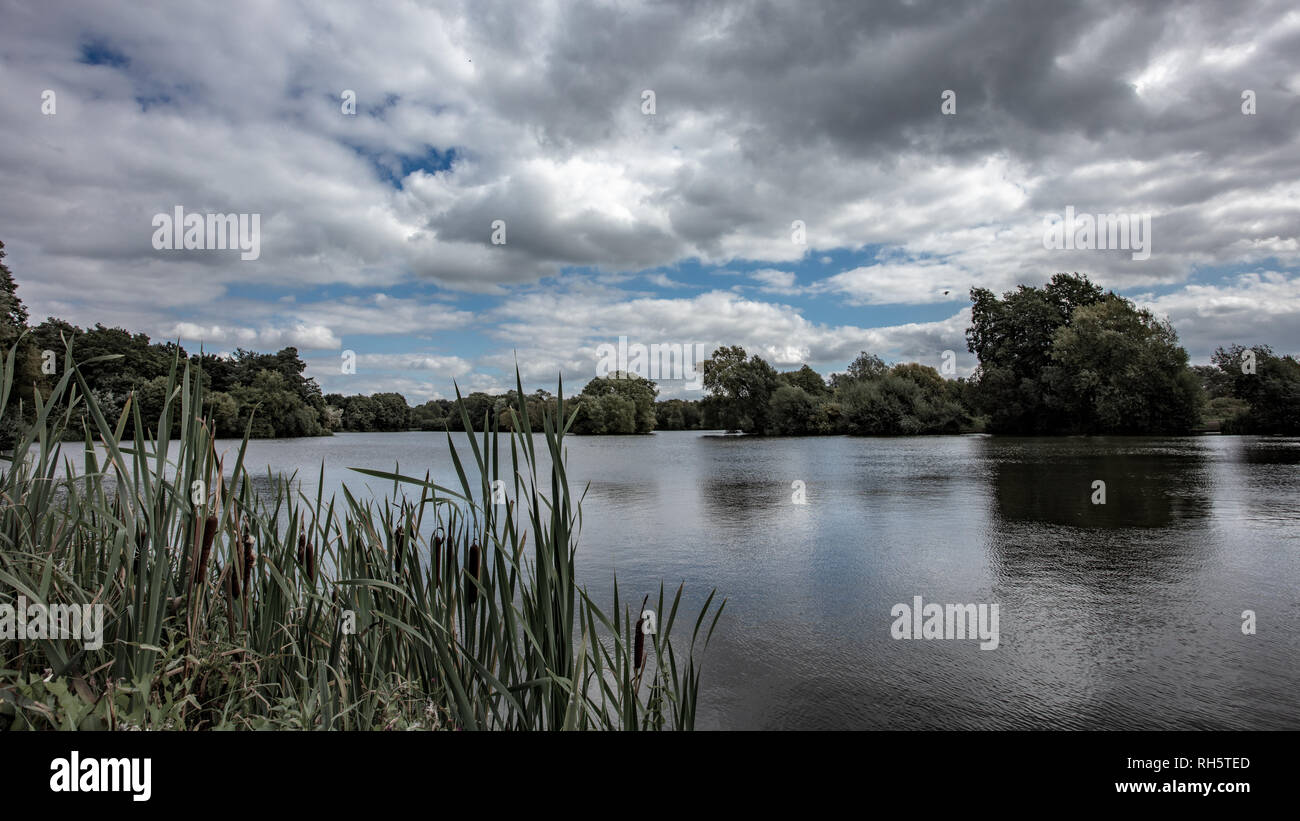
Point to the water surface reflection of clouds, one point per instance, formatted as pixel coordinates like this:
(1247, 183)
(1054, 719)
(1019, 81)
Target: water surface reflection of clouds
(1122, 615)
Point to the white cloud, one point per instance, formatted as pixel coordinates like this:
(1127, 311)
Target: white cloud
(1254, 308)
(775, 282)
(300, 336)
(236, 109)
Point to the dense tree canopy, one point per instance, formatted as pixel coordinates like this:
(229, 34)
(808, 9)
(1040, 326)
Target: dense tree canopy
(267, 390)
(907, 398)
(618, 403)
(1119, 370)
(1070, 358)
(678, 414)
(1267, 385)
(870, 398)
(743, 388)
(1013, 338)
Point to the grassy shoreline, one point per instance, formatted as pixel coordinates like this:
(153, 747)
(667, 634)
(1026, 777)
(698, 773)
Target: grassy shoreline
(226, 610)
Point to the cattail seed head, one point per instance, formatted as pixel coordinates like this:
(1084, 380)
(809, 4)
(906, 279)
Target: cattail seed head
(471, 568)
(638, 643)
(302, 548)
(437, 556)
(232, 583)
(311, 562)
(249, 541)
(399, 545)
(209, 533)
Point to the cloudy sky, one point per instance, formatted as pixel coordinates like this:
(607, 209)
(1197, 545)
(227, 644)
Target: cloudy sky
(675, 226)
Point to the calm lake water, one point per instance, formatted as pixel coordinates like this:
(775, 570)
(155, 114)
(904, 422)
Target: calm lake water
(1117, 616)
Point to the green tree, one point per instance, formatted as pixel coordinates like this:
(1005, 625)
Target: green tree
(677, 414)
(221, 373)
(867, 366)
(1122, 371)
(13, 324)
(610, 413)
(633, 413)
(53, 335)
(222, 411)
(806, 378)
(1271, 392)
(359, 413)
(793, 412)
(333, 417)
(1013, 338)
(478, 405)
(150, 396)
(429, 416)
(935, 407)
(874, 399)
(871, 407)
(742, 388)
(275, 408)
(13, 314)
(1214, 381)
(391, 411)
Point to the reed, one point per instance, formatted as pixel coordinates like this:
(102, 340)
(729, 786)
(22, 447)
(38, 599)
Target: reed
(320, 628)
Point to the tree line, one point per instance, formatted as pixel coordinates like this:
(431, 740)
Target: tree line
(264, 393)
(1063, 358)
(619, 403)
(267, 395)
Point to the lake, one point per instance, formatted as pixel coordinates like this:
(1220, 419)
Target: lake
(1122, 615)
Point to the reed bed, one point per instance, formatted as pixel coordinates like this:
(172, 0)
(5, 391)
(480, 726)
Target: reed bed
(230, 607)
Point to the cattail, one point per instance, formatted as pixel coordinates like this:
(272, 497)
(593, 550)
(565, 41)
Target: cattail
(249, 541)
(471, 568)
(437, 556)
(209, 533)
(399, 545)
(311, 562)
(639, 643)
(232, 583)
(302, 548)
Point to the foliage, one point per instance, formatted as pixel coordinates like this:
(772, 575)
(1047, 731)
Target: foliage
(871, 398)
(806, 379)
(742, 387)
(226, 602)
(13, 327)
(1120, 370)
(117, 364)
(678, 414)
(906, 399)
(1013, 339)
(793, 412)
(1069, 358)
(1269, 397)
(618, 403)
